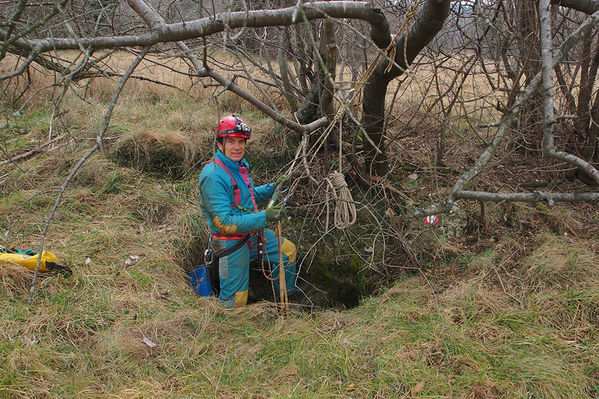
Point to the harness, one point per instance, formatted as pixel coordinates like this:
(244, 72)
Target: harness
(243, 238)
(236, 189)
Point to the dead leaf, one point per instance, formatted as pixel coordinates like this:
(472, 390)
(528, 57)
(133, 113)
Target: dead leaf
(417, 389)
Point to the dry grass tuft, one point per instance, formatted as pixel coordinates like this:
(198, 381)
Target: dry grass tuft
(15, 280)
(94, 172)
(153, 207)
(562, 262)
(417, 288)
(262, 311)
(123, 341)
(485, 390)
(165, 153)
(35, 174)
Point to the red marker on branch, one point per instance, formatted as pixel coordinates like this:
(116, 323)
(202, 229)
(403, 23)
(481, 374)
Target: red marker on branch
(432, 220)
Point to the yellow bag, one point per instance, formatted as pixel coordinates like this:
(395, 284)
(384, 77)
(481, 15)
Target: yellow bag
(48, 263)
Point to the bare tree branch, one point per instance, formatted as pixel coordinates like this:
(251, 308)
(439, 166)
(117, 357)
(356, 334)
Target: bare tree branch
(8, 39)
(11, 25)
(155, 21)
(534, 197)
(586, 6)
(30, 153)
(506, 120)
(22, 67)
(548, 116)
(219, 23)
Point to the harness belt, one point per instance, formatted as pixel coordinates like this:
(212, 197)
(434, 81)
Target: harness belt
(229, 251)
(219, 236)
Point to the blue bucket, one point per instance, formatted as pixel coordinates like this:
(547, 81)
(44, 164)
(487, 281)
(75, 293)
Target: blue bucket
(200, 281)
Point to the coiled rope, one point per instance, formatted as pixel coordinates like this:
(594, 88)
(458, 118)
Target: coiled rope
(345, 208)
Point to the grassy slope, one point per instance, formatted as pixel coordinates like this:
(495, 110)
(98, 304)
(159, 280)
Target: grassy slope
(511, 319)
(83, 336)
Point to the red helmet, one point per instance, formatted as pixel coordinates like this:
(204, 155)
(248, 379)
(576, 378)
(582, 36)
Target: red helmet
(232, 126)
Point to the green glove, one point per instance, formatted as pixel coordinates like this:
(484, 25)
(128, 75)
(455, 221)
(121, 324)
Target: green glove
(281, 179)
(274, 214)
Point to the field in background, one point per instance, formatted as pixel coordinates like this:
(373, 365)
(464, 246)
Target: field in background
(510, 308)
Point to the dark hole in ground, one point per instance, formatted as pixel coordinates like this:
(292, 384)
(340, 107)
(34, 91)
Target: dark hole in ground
(312, 291)
(326, 285)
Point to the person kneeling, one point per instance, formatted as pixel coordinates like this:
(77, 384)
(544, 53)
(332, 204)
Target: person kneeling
(228, 200)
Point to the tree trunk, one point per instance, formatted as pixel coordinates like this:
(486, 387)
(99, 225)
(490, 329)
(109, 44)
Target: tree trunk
(426, 25)
(528, 124)
(288, 91)
(588, 116)
(581, 123)
(327, 72)
(319, 101)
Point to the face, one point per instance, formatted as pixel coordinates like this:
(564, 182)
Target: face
(233, 148)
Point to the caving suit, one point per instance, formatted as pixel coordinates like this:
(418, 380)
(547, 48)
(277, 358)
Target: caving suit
(230, 219)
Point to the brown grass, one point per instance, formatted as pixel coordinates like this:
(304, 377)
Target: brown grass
(563, 262)
(171, 153)
(15, 280)
(486, 316)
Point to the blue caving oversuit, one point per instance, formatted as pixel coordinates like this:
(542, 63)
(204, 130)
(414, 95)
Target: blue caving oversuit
(229, 223)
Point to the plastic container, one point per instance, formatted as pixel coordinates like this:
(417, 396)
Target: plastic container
(200, 281)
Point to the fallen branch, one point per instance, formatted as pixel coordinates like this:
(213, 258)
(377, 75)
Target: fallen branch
(30, 153)
(534, 197)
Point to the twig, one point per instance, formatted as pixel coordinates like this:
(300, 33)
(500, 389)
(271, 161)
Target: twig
(21, 69)
(30, 153)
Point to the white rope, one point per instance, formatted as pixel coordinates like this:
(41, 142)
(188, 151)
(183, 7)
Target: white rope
(345, 208)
